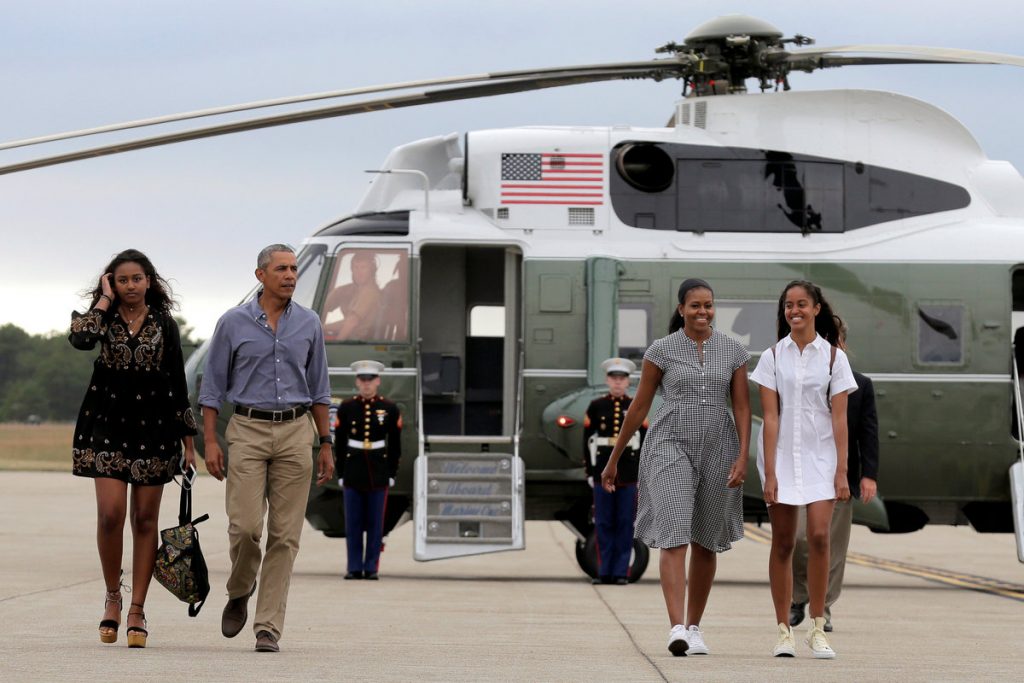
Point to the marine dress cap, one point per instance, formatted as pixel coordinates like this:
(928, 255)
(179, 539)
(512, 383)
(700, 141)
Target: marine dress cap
(618, 365)
(367, 368)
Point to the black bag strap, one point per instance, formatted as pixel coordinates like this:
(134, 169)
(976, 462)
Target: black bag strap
(775, 365)
(828, 387)
(185, 505)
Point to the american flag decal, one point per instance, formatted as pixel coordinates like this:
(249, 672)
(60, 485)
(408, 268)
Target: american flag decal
(552, 178)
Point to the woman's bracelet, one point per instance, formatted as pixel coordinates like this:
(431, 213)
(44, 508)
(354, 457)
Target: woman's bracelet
(104, 296)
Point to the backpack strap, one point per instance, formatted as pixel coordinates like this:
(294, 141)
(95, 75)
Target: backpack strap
(775, 366)
(828, 387)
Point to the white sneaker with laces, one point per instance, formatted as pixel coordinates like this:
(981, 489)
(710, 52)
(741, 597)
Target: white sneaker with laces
(695, 638)
(818, 641)
(785, 646)
(677, 643)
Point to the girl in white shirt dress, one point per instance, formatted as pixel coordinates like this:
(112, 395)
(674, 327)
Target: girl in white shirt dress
(804, 381)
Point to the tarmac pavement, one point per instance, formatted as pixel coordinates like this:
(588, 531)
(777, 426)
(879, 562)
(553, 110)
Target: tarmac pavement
(526, 616)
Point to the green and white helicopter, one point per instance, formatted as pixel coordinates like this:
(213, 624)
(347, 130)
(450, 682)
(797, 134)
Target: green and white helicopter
(507, 264)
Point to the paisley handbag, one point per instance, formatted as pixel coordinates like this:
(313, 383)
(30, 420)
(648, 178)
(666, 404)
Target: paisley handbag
(180, 567)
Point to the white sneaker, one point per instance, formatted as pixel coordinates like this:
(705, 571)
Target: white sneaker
(818, 641)
(695, 639)
(677, 643)
(785, 646)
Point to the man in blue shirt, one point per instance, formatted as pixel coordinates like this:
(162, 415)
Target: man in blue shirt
(266, 357)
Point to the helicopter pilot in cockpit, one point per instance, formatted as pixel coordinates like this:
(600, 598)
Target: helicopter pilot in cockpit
(359, 301)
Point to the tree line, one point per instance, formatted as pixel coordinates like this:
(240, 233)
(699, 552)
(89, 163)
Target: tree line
(43, 377)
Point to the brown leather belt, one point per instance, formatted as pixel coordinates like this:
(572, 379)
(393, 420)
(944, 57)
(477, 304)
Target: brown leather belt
(272, 415)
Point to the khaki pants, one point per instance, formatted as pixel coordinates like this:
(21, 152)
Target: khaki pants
(839, 542)
(270, 465)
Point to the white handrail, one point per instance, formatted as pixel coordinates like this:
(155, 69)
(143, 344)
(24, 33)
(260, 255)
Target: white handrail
(1020, 408)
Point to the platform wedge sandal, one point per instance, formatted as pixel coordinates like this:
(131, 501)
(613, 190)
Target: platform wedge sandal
(137, 634)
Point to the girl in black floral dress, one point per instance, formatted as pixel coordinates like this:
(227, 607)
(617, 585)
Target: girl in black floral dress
(133, 422)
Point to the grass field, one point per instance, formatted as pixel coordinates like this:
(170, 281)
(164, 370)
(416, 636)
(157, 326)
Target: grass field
(36, 447)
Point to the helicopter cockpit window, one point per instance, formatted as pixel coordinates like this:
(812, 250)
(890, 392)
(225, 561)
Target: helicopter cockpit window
(940, 334)
(751, 323)
(311, 262)
(634, 330)
(369, 296)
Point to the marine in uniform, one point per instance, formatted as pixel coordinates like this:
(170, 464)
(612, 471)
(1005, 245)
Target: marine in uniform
(613, 512)
(368, 430)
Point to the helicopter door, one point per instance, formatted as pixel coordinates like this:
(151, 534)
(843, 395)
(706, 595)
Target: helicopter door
(1017, 364)
(469, 476)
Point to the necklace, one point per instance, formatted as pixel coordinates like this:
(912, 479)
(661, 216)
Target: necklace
(138, 315)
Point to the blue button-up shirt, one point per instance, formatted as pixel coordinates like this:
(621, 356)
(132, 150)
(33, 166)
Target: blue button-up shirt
(253, 366)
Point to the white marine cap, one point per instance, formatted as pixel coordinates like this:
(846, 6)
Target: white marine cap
(367, 367)
(622, 365)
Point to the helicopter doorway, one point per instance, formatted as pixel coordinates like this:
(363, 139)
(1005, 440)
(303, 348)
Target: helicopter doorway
(468, 331)
(469, 478)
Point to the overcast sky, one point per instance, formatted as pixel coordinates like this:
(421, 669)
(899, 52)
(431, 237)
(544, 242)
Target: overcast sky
(202, 210)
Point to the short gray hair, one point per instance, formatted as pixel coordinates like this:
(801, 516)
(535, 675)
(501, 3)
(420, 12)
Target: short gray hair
(263, 260)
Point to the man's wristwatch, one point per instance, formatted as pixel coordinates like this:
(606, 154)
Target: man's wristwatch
(327, 439)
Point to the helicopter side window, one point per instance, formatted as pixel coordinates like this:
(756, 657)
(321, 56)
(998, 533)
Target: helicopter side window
(775, 194)
(940, 334)
(751, 323)
(634, 330)
(737, 189)
(369, 296)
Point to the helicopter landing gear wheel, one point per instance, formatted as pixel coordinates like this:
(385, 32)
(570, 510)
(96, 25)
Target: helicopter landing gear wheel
(586, 557)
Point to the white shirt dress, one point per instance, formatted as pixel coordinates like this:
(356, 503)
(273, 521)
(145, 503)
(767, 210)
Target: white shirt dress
(805, 455)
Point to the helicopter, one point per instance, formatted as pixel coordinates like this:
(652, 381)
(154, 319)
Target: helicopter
(509, 263)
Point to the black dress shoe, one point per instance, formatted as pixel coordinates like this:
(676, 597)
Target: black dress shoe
(371, 576)
(621, 580)
(596, 580)
(351, 576)
(236, 612)
(796, 613)
(266, 642)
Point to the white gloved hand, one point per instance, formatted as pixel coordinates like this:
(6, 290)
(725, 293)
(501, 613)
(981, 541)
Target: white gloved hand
(590, 482)
(391, 482)
(341, 483)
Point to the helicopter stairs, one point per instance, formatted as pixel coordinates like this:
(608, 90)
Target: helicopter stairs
(468, 496)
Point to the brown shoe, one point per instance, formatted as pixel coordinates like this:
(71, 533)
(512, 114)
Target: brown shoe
(236, 613)
(266, 642)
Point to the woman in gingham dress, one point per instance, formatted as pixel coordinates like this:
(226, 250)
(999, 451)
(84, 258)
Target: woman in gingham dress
(693, 459)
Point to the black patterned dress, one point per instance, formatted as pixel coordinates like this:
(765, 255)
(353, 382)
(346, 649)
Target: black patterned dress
(136, 410)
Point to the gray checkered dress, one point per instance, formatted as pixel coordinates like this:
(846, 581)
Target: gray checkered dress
(690, 446)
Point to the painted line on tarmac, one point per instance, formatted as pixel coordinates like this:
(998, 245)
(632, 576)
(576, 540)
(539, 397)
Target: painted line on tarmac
(982, 584)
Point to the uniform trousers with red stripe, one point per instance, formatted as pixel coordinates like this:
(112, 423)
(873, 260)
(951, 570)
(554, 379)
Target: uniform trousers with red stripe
(613, 516)
(364, 514)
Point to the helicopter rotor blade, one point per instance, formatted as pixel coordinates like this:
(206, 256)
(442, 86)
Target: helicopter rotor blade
(656, 70)
(297, 99)
(869, 55)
